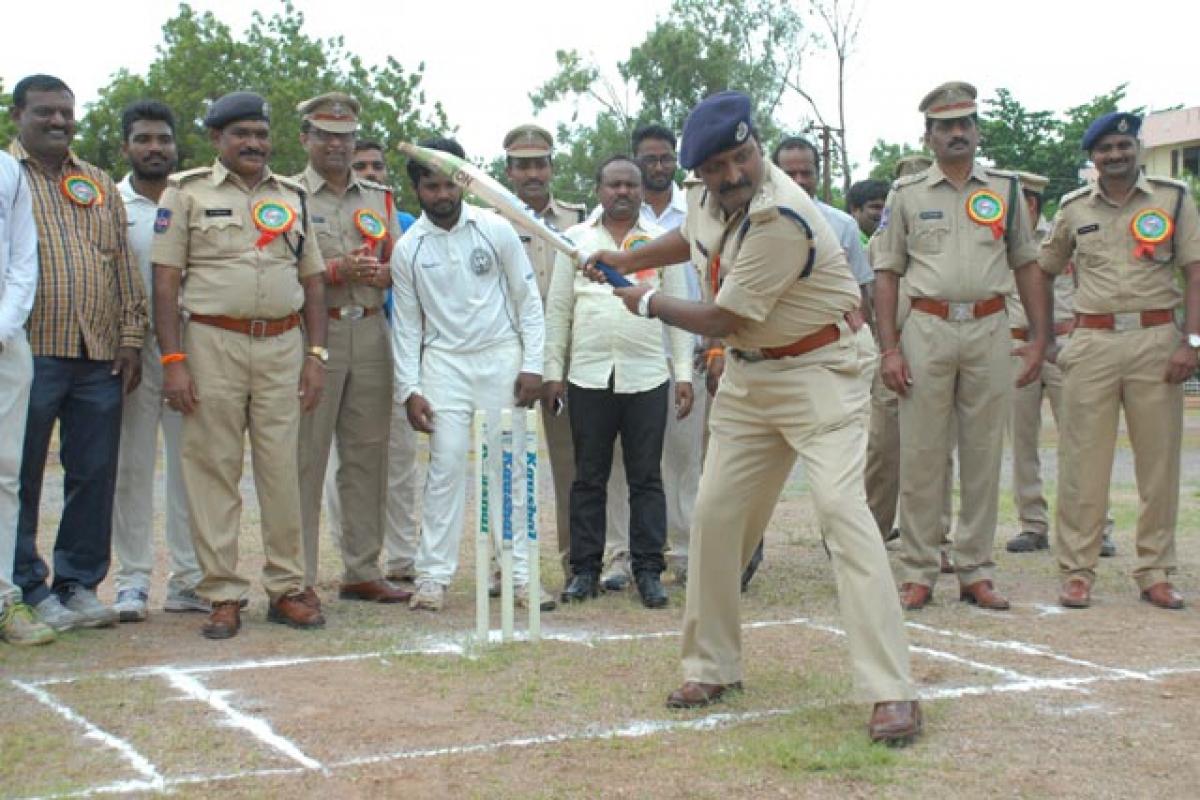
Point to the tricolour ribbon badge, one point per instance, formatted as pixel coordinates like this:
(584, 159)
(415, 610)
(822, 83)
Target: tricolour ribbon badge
(272, 218)
(632, 242)
(370, 225)
(985, 207)
(81, 190)
(1150, 227)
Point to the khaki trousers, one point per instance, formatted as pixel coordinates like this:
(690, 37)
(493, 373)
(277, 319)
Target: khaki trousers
(1033, 513)
(244, 384)
(1104, 371)
(763, 417)
(356, 404)
(16, 378)
(962, 381)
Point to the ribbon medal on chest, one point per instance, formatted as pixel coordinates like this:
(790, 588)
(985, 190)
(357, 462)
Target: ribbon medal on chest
(632, 242)
(81, 190)
(986, 208)
(370, 225)
(1150, 228)
(272, 218)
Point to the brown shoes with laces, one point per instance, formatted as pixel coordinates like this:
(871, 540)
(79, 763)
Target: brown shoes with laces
(698, 695)
(914, 596)
(295, 611)
(983, 594)
(224, 620)
(1163, 595)
(1075, 594)
(896, 724)
(379, 591)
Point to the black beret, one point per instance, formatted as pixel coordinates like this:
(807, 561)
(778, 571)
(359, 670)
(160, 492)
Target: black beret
(237, 106)
(1113, 122)
(718, 122)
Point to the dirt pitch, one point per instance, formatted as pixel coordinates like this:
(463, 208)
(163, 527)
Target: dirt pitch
(1036, 702)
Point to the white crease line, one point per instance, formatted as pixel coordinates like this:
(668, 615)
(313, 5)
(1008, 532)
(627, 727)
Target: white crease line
(255, 726)
(140, 763)
(1025, 648)
(120, 787)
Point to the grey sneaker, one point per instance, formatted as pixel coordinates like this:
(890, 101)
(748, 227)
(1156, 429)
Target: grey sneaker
(430, 596)
(1108, 548)
(618, 575)
(19, 625)
(185, 600)
(56, 615)
(548, 602)
(92, 613)
(131, 605)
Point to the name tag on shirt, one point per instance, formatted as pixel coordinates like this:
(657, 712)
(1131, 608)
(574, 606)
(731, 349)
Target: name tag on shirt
(1095, 226)
(218, 212)
(526, 239)
(318, 220)
(931, 215)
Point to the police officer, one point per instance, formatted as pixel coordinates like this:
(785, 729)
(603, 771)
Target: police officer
(957, 232)
(781, 296)
(1126, 234)
(529, 168)
(238, 240)
(356, 226)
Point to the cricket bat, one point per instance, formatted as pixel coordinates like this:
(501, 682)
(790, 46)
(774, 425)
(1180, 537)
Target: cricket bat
(503, 202)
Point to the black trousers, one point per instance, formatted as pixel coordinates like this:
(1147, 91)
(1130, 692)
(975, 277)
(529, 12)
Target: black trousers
(598, 416)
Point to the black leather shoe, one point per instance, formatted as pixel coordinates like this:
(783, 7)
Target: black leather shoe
(583, 585)
(650, 587)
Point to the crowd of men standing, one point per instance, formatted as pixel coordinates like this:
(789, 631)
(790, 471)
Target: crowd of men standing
(312, 315)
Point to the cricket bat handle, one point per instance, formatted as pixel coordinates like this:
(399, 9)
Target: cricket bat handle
(615, 278)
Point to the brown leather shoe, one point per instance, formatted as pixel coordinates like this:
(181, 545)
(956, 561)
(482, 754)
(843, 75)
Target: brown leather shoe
(379, 591)
(896, 724)
(914, 596)
(296, 612)
(947, 565)
(1075, 594)
(983, 594)
(1163, 595)
(311, 598)
(224, 620)
(698, 695)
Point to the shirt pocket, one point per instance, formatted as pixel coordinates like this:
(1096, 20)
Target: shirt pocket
(214, 236)
(1089, 250)
(928, 236)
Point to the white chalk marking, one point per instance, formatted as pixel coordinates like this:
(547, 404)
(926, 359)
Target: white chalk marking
(258, 728)
(136, 760)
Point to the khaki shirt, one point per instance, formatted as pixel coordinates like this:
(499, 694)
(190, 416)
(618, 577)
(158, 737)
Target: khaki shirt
(779, 264)
(927, 236)
(205, 226)
(1095, 233)
(332, 218)
(557, 215)
(1064, 291)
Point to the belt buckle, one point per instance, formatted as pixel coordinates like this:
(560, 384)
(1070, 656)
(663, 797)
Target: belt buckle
(1127, 321)
(258, 328)
(352, 312)
(749, 356)
(961, 312)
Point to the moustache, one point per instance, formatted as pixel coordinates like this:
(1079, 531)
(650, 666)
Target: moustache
(959, 140)
(725, 188)
(252, 152)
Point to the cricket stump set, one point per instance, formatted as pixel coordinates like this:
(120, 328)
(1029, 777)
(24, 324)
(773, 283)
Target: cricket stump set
(517, 445)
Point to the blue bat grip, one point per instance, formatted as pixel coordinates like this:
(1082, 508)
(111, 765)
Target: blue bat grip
(615, 278)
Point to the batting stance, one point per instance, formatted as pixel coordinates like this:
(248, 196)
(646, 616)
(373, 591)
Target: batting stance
(780, 294)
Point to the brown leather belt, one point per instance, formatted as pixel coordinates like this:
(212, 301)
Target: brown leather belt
(814, 341)
(1124, 322)
(352, 311)
(1060, 329)
(258, 328)
(959, 312)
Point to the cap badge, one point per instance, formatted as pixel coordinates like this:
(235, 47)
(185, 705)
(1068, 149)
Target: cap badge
(742, 131)
(1123, 126)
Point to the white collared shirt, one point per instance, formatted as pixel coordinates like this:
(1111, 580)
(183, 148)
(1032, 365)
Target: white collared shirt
(590, 327)
(461, 291)
(18, 249)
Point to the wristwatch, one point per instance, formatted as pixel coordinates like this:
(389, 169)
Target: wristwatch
(1193, 341)
(319, 353)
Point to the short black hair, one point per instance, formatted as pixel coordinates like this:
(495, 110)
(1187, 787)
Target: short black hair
(929, 121)
(612, 160)
(864, 192)
(796, 143)
(416, 170)
(148, 110)
(37, 83)
(367, 144)
(652, 131)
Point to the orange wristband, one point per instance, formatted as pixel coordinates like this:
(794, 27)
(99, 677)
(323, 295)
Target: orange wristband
(173, 358)
(713, 353)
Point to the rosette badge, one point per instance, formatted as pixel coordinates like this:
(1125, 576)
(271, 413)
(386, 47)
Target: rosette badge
(986, 208)
(370, 225)
(632, 242)
(1150, 227)
(81, 190)
(272, 218)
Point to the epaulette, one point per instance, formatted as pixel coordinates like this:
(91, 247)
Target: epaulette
(1174, 184)
(691, 180)
(763, 214)
(379, 187)
(1070, 197)
(290, 183)
(180, 178)
(571, 206)
(909, 180)
(1001, 173)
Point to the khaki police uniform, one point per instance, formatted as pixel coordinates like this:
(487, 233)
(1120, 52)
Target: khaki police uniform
(960, 365)
(357, 401)
(531, 141)
(1116, 363)
(782, 269)
(245, 382)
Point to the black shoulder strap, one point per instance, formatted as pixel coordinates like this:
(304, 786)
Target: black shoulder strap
(1178, 210)
(799, 220)
(1013, 198)
(298, 250)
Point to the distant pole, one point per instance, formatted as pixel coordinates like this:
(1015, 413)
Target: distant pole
(826, 189)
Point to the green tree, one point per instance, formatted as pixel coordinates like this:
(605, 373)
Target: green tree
(885, 155)
(275, 57)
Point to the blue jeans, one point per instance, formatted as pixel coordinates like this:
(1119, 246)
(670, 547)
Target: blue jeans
(85, 399)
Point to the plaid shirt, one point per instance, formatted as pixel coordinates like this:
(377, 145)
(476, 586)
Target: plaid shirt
(90, 298)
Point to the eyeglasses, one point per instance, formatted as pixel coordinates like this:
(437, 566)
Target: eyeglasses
(662, 161)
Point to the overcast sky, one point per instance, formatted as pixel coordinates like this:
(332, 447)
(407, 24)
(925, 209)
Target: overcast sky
(1050, 53)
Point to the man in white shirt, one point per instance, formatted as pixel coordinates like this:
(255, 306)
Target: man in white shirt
(19, 623)
(617, 385)
(148, 130)
(467, 335)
